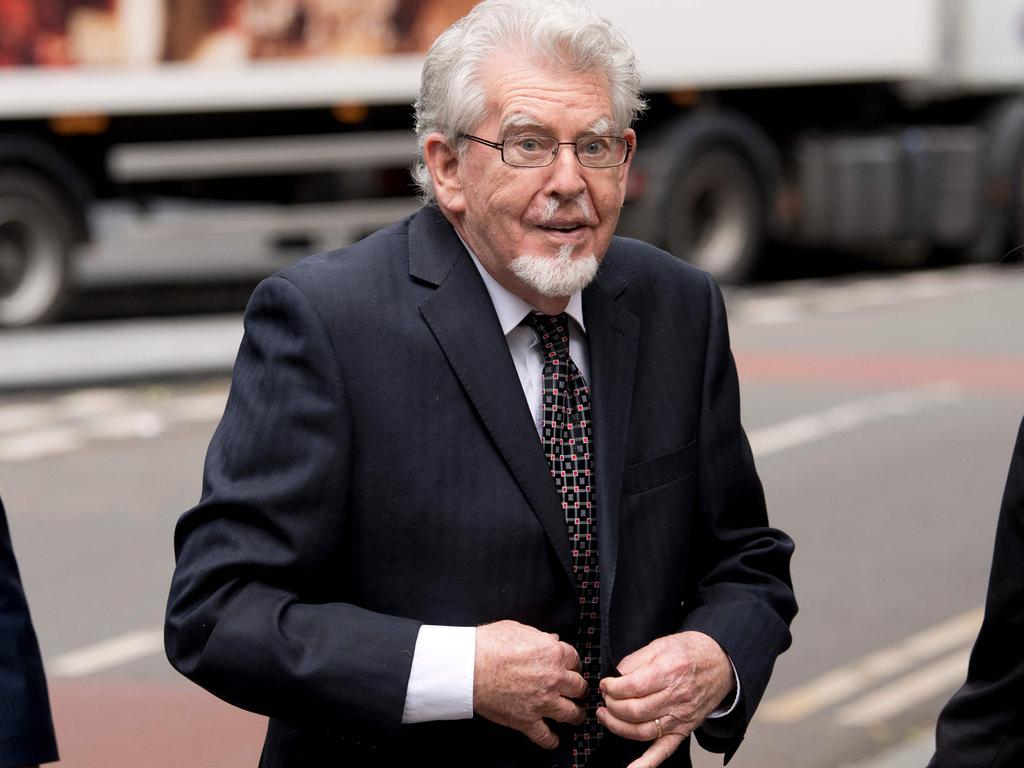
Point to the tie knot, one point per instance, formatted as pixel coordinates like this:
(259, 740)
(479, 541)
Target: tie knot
(553, 331)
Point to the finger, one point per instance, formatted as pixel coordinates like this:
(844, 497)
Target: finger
(541, 735)
(640, 710)
(646, 731)
(566, 711)
(658, 752)
(639, 658)
(573, 686)
(643, 681)
(570, 657)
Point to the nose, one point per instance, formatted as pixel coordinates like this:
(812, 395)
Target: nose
(566, 178)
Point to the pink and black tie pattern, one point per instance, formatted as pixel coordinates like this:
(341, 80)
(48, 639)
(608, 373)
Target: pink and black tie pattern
(566, 432)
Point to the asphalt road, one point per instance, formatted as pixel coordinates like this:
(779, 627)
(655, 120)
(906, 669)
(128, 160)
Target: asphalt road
(882, 412)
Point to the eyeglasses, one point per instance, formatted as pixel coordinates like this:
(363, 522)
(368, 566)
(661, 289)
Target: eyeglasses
(540, 151)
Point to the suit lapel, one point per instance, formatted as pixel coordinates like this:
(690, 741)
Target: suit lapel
(613, 335)
(462, 318)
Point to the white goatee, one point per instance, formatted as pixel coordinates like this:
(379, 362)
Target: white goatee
(556, 276)
(560, 275)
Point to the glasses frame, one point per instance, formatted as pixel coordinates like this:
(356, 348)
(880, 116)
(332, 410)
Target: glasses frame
(500, 146)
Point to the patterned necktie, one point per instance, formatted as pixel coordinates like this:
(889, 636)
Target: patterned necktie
(566, 434)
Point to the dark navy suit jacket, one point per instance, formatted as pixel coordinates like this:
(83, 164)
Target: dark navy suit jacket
(26, 731)
(377, 467)
(982, 726)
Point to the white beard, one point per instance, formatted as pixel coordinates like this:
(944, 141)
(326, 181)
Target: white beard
(561, 275)
(556, 276)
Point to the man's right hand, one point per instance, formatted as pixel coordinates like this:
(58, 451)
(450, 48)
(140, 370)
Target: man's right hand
(522, 675)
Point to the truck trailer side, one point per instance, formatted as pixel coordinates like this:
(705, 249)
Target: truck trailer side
(251, 140)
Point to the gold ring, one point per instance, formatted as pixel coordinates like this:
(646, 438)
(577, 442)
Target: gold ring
(657, 724)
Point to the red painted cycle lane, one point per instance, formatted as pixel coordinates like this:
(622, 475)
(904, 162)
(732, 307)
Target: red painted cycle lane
(971, 373)
(119, 724)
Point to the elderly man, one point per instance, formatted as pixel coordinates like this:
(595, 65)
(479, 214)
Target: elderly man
(481, 494)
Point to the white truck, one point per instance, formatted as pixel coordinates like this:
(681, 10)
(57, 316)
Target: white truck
(168, 140)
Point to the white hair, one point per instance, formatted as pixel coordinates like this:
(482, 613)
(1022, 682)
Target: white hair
(566, 33)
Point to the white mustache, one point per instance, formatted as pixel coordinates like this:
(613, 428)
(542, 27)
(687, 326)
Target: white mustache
(554, 205)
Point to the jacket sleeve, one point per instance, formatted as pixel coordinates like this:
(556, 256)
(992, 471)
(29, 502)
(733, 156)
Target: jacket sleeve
(744, 597)
(26, 729)
(253, 614)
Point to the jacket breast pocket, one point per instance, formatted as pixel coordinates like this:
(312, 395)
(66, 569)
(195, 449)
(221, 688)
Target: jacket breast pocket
(662, 470)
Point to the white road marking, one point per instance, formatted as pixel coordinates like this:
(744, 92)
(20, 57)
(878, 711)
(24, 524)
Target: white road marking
(91, 402)
(25, 416)
(796, 300)
(881, 705)
(70, 422)
(847, 681)
(108, 653)
(205, 406)
(131, 424)
(35, 445)
(849, 416)
(770, 310)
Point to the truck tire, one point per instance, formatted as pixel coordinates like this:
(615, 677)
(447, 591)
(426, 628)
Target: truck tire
(714, 215)
(708, 178)
(1001, 219)
(36, 235)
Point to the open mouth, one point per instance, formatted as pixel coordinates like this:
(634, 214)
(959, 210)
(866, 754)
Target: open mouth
(562, 227)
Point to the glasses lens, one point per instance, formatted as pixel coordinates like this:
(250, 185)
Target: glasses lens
(530, 151)
(601, 151)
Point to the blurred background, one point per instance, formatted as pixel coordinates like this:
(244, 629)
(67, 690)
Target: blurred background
(851, 172)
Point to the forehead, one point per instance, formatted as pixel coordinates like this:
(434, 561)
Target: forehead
(524, 90)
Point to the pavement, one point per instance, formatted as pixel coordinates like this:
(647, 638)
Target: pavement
(117, 351)
(914, 753)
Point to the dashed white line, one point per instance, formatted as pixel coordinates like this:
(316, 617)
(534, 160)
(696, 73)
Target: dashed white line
(71, 422)
(44, 442)
(911, 689)
(92, 402)
(108, 653)
(849, 416)
(847, 681)
(119, 426)
(21, 417)
(205, 406)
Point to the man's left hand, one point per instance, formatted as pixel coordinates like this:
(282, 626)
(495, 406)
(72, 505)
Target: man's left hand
(678, 680)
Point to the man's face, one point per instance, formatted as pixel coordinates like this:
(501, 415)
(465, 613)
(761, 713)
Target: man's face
(563, 211)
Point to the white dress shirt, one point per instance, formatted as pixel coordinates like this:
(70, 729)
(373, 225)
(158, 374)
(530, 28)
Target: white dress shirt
(441, 679)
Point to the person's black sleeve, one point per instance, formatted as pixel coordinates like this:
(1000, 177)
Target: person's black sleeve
(26, 728)
(253, 614)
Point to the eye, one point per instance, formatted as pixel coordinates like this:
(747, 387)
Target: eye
(529, 144)
(594, 146)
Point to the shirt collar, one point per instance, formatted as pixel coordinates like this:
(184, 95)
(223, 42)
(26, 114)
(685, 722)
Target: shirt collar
(510, 308)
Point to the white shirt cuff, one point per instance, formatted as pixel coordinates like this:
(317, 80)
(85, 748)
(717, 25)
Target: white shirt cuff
(441, 679)
(722, 710)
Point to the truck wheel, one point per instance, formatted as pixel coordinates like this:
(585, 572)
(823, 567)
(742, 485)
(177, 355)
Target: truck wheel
(36, 233)
(713, 214)
(1001, 220)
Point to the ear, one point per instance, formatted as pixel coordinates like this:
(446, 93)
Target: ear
(629, 135)
(443, 163)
